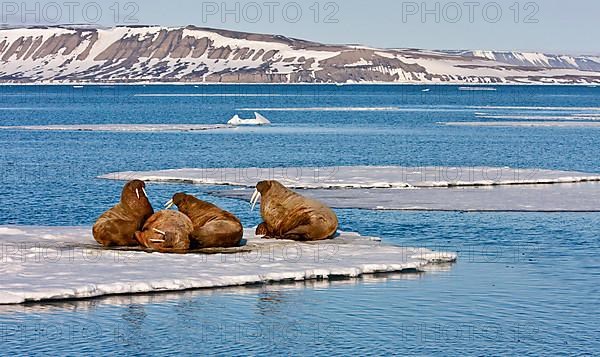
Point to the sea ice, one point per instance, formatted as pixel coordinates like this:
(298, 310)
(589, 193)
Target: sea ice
(561, 124)
(541, 118)
(119, 127)
(576, 197)
(51, 263)
(151, 298)
(360, 176)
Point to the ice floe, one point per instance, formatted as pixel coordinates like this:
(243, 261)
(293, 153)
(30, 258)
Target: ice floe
(331, 109)
(217, 95)
(575, 197)
(476, 88)
(53, 263)
(540, 117)
(119, 127)
(535, 108)
(444, 109)
(254, 289)
(557, 124)
(360, 176)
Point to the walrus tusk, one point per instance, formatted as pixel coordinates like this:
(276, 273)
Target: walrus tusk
(169, 204)
(159, 231)
(254, 199)
(137, 193)
(157, 240)
(144, 190)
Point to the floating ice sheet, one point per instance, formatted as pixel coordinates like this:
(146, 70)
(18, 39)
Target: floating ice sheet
(560, 124)
(360, 176)
(51, 263)
(575, 197)
(45, 307)
(540, 117)
(120, 127)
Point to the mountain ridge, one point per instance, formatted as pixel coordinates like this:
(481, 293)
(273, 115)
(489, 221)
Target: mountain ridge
(192, 54)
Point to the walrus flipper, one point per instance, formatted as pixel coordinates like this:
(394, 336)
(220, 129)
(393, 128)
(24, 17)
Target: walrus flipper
(262, 230)
(111, 234)
(310, 229)
(300, 233)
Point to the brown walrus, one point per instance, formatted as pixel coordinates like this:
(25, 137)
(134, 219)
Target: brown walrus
(166, 231)
(117, 226)
(213, 227)
(289, 215)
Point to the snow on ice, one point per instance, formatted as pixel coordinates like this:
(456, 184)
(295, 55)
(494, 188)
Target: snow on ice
(50, 263)
(360, 176)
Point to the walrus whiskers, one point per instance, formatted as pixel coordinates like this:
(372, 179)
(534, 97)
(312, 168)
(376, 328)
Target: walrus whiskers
(159, 231)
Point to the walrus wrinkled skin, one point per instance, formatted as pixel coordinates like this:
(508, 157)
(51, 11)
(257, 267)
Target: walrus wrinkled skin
(166, 231)
(213, 227)
(117, 226)
(289, 215)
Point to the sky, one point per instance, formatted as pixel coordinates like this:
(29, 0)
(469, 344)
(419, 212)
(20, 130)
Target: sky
(550, 25)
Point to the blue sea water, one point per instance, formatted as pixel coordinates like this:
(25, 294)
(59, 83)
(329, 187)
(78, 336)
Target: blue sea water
(525, 283)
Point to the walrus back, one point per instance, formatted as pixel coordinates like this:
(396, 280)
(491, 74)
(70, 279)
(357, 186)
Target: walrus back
(213, 226)
(217, 233)
(290, 215)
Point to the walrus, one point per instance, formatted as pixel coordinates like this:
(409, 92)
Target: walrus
(213, 227)
(289, 215)
(166, 231)
(117, 226)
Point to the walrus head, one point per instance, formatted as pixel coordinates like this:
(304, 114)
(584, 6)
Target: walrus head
(262, 188)
(178, 199)
(133, 191)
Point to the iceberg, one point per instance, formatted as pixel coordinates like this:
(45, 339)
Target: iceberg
(258, 120)
(54, 263)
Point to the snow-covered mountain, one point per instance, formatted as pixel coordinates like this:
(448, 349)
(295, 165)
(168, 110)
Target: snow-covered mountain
(537, 59)
(193, 54)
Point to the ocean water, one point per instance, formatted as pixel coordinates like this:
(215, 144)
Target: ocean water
(525, 283)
